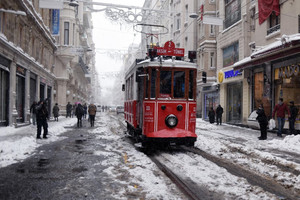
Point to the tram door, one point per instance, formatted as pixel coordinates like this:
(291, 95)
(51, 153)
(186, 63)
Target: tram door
(140, 97)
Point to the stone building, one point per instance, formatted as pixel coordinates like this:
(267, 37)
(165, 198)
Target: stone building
(75, 58)
(269, 55)
(27, 55)
(31, 66)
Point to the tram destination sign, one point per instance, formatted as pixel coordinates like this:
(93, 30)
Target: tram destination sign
(170, 50)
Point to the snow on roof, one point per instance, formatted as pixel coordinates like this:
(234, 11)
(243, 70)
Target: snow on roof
(285, 39)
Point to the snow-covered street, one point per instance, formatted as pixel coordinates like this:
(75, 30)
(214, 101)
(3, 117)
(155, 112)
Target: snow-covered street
(275, 159)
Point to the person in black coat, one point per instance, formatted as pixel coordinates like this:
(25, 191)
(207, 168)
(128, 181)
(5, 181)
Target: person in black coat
(69, 109)
(41, 117)
(219, 112)
(211, 115)
(294, 113)
(263, 122)
(33, 111)
(79, 112)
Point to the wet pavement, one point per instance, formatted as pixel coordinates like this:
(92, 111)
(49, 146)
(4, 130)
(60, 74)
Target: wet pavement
(66, 169)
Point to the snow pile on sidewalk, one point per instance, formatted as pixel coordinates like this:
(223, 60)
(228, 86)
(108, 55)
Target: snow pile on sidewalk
(17, 144)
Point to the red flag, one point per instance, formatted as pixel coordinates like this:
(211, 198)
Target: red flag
(265, 9)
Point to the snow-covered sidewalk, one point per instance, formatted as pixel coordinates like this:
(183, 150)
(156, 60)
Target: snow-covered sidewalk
(17, 144)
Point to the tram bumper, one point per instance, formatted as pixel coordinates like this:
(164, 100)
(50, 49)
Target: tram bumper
(172, 136)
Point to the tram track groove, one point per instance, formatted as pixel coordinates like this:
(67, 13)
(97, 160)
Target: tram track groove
(254, 179)
(266, 183)
(181, 184)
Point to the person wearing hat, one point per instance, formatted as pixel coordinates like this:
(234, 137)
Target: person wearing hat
(293, 115)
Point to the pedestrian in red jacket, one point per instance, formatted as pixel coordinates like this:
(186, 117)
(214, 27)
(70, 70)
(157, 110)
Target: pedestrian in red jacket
(280, 110)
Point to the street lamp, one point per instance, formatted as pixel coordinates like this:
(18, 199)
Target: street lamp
(73, 3)
(194, 15)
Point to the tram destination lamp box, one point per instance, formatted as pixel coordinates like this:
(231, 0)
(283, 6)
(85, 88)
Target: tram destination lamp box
(192, 55)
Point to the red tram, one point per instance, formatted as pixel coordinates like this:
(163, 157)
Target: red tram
(160, 101)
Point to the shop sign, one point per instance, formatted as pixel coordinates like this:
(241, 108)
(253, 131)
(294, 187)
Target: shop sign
(232, 73)
(20, 70)
(228, 74)
(289, 71)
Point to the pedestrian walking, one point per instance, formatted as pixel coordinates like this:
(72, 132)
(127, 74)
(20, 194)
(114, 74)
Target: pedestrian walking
(73, 110)
(41, 116)
(55, 112)
(293, 115)
(219, 112)
(211, 115)
(263, 122)
(69, 109)
(92, 113)
(33, 112)
(279, 110)
(85, 110)
(79, 112)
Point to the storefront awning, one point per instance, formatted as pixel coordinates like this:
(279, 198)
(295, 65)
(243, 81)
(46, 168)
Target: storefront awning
(286, 46)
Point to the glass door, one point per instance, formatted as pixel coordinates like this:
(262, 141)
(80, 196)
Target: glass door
(234, 103)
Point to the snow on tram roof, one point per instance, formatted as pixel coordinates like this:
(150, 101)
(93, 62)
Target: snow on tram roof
(167, 63)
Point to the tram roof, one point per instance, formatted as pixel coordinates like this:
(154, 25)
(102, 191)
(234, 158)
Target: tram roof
(166, 63)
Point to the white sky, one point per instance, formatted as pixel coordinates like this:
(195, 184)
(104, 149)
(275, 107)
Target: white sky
(117, 35)
(112, 39)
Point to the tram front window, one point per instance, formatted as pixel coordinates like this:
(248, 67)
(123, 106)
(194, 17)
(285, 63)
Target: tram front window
(179, 86)
(165, 84)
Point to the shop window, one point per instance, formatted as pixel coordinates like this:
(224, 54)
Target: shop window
(234, 100)
(287, 85)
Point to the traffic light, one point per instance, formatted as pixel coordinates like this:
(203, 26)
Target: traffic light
(192, 55)
(204, 76)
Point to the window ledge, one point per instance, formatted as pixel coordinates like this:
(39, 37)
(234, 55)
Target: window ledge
(276, 33)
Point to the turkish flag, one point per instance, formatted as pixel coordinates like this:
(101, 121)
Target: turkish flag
(265, 9)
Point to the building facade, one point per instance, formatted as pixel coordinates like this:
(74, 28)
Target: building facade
(271, 62)
(27, 55)
(31, 67)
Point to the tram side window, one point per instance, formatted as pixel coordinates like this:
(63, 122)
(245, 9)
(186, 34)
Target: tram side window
(191, 84)
(153, 83)
(147, 87)
(165, 84)
(179, 84)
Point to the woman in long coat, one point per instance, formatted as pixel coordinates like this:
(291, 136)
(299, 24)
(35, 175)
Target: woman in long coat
(211, 115)
(55, 112)
(263, 122)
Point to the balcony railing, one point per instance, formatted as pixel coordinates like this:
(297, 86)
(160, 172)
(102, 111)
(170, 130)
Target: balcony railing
(273, 29)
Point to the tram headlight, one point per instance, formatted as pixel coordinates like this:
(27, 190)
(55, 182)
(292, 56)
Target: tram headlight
(171, 121)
